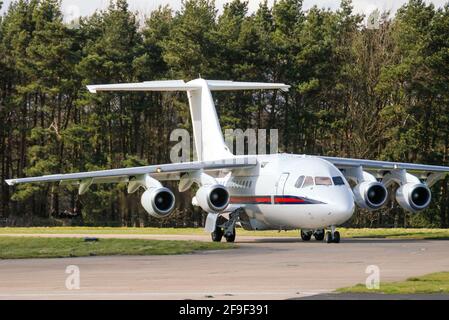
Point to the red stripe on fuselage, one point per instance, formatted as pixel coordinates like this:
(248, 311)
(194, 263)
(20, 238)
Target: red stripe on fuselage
(251, 200)
(266, 200)
(289, 200)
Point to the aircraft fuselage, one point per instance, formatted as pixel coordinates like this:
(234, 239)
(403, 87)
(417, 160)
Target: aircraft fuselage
(290, 192)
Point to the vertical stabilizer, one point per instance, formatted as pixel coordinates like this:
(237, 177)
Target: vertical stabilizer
(209, 141)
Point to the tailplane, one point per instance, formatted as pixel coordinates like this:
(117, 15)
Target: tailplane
(208, 137)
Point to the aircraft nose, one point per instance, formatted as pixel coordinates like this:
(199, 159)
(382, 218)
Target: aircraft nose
(343, 206)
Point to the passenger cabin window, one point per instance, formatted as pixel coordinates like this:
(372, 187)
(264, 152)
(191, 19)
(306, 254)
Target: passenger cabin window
(308, 182)
(338, 181)
(323, 181)
(299, 182)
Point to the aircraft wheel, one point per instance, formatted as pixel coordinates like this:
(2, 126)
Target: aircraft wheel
(336, 237)
(305, 236)
(217, 234)
(328, 237)
(319, 235)
(230, 237)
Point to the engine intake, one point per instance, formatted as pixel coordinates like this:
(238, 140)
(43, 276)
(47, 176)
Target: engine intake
(213, 198)
(370, 195)
(414, 197)
(158, 202)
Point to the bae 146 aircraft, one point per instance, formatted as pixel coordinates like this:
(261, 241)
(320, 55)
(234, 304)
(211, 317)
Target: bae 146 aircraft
(259, 192)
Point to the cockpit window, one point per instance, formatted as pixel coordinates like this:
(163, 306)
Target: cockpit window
(308, 182)
(338, 181)
(299, 182)
(323, 181)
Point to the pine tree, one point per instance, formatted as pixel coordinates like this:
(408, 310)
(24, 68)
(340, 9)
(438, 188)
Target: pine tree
(113, 45)
(190, 49)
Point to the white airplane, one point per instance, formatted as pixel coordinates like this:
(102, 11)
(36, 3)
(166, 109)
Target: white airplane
(259, 192)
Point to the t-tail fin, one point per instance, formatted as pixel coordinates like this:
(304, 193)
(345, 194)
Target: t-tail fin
(208, 137)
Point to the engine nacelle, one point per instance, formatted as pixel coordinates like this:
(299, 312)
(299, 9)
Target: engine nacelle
(158, 202)
(370, 195)
(212, 198)
(413, 197)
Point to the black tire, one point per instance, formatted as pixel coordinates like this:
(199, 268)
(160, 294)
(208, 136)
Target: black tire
(217, 234)
(319, 236)
(230, 237)
(305, 236)
(336, 237)
(328, 237)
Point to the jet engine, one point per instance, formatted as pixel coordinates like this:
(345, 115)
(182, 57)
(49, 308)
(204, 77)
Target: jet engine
(158, 202)
(370, 195)
(212, 198)
(413, 197)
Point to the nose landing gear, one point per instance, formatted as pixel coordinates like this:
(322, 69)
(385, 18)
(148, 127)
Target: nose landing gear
(332, 236)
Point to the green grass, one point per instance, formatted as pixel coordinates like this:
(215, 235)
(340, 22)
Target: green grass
(101, 230)
(27, 247)
(398, 233)
(345, 232)
(431, 283)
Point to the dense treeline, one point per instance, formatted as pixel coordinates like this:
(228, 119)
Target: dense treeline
(379, 93)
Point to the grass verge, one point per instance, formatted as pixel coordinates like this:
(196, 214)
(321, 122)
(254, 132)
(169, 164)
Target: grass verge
(398, 233)
(25, 247)
(428, 284)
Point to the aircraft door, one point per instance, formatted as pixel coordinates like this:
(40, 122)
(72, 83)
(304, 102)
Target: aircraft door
(281, 183)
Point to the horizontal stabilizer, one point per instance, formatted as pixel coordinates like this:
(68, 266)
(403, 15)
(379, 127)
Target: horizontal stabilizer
(170, 85)
(180, 85)
(231, 85)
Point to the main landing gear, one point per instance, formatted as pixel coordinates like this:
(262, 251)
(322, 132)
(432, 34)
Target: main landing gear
(217, 234)
(226, 228)
(332, 236)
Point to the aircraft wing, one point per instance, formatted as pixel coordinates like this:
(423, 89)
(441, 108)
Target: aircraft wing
(381, 168)
(159, 172)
